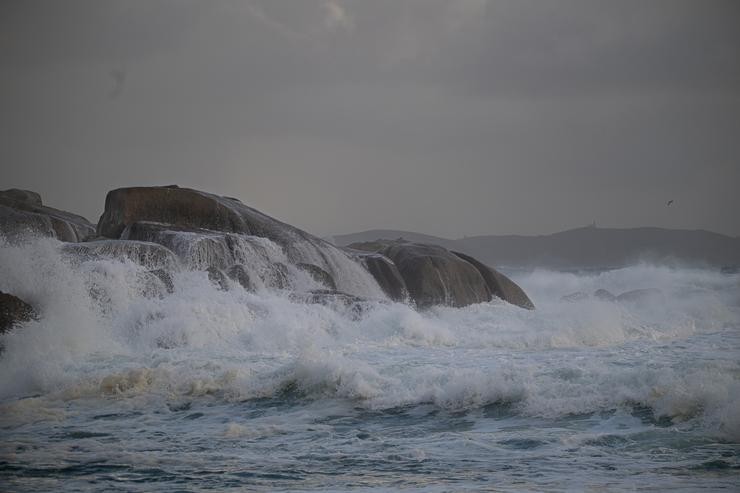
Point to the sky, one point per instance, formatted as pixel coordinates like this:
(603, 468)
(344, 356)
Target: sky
(446, 117)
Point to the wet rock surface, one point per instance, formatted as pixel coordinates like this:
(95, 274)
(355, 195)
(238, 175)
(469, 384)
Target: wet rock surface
(435, 276)
(168, 229)
(500, 286)
(22, 212)
(13, 312)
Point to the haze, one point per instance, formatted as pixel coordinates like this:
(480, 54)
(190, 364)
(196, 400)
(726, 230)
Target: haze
(450, 118)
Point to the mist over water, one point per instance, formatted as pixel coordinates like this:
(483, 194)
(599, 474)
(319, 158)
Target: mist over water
(122, 386)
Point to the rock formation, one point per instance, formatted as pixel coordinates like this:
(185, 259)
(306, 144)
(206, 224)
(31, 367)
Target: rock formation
(500, 285)
(168, 229)
(433, 275)
(22, 212)
(207, 230)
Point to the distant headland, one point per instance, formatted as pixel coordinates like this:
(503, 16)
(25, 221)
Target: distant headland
(583, 248)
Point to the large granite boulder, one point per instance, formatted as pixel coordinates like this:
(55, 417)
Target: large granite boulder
(213, 231)
(435, 276)
(499, 285)
(22, 212)
(13, 311)
(385, 273)
(432, 275)
(184, 209)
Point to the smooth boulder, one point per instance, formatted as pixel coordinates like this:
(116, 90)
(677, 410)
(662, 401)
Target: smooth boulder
(216, 225)
(387, 275)
(22, 212)
(500, 286)
(435, 276)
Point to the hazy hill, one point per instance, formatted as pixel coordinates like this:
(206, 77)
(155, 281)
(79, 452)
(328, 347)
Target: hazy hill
(389, 234)
(588, 247)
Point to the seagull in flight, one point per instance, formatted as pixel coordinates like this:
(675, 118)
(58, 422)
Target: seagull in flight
(119, 77)
(668, 204)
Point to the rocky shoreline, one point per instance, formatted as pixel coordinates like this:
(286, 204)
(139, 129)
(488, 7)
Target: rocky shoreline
(168, 228)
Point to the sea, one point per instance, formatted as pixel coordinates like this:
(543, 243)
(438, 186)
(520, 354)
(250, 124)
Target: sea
(203, 389)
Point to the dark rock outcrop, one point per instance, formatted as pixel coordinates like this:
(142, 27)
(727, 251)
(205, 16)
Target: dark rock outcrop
(220, 231)
(500, 286)
(22, 212)
(14, 311)
(435, 276)
(387, 275)
(432, 275)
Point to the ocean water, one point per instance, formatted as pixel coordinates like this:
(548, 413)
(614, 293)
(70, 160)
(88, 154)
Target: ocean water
(116, 389)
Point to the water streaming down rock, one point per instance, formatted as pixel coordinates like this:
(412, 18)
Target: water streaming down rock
(265, 262)
(206, 230)
(146, 254)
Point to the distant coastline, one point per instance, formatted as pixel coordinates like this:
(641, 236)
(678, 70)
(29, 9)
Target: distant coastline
(582, 248)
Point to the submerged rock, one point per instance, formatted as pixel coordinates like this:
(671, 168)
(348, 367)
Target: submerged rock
(573, 297)
(604, 295)
(641, 295)
(14, 311)
(22, 212)
(354, 305)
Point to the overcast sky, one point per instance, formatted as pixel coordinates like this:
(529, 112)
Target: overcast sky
(444, 117)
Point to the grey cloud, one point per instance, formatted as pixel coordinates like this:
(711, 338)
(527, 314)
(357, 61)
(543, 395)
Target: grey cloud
(446, 117)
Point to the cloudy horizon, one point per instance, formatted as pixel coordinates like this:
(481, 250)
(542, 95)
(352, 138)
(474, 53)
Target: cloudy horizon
(450, 118)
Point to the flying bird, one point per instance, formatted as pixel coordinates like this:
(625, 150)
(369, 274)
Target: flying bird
(668, 204)
(119, 77)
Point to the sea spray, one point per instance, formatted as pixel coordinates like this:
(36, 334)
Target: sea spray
(117, 369)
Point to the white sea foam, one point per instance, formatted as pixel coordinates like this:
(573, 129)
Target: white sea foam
(102, 335)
